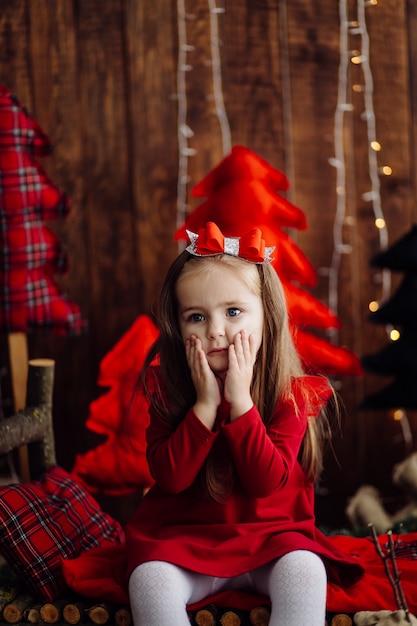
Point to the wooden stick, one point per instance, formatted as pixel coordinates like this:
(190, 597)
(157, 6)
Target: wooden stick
(395, 583)
(397, 577)
(18, 358)
(26, 425)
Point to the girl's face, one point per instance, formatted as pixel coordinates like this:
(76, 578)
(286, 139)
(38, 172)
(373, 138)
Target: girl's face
(216, 304)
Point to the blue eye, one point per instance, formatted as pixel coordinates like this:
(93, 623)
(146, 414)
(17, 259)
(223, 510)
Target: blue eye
(233, 312)
(196, 317)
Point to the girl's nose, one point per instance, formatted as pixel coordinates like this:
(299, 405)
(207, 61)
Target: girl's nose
(215, 329)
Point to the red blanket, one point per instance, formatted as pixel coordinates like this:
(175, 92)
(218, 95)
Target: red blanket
(100, 573)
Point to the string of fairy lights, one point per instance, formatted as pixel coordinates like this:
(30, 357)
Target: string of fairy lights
(184, 132)
(355, 29)
(215, 44)
(360, 57)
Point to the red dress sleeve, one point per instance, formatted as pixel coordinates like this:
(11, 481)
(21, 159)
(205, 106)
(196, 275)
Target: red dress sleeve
(264, 456)
(176, 456)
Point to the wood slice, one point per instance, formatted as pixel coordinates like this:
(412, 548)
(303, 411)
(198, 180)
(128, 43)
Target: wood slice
(75, 612)
(259, 616)
(99, 614)
(13, 612)
(32, 614)
(341, 620)
(51, 612)
(205, 617)
(123, 616)
(230, 618)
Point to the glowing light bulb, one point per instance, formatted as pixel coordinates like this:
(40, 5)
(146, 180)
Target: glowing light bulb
(380, 223)
(398, 415)
(358, 88)
(373, 306)
(386, 170)
(394, 334)
(375, 145)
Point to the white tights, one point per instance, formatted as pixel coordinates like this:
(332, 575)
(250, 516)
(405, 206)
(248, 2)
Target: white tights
(296, 584)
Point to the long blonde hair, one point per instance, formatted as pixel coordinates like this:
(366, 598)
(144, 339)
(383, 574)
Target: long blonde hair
(277, 362)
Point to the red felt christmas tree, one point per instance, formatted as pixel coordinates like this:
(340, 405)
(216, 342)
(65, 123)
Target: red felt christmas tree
(30, 253)
(242, 193)
(118, 466)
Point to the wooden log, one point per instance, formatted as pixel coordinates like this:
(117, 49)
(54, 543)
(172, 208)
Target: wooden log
(259, 616)
(100, 613)
(231, 618)
(40, 382)
(341, 619)
(32, 614)
(8, 592)
(75, 612)
(206, 616)
(33, 424)
(123, 616)
(13, 612)
(39, 393)
(51, 612)
(25, 425)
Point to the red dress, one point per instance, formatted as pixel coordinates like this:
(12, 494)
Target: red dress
(270, 511)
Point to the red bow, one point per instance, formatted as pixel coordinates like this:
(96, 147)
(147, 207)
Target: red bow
(210, 241)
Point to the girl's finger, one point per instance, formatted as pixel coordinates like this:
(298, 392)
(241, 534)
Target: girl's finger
(252, 346)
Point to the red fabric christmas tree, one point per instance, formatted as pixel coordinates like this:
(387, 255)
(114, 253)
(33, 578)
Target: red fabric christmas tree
(30, 253)
(118, 466)
(242, 193)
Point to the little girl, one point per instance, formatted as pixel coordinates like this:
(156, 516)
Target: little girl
(233, 446)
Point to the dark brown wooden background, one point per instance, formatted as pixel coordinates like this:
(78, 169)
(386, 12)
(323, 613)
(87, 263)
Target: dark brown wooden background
(100, 76)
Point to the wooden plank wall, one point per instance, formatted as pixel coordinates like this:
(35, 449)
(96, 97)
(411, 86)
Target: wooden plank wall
(111, 80)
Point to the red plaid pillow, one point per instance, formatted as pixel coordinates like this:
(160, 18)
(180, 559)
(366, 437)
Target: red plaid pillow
(44, 521)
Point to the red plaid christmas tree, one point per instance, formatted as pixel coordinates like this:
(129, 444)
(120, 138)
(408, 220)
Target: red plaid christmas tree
(30, 253)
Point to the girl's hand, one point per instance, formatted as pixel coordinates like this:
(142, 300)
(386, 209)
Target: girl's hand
(242, 356)
(205, 382)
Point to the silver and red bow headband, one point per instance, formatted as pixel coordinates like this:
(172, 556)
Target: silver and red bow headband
(210, 241)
